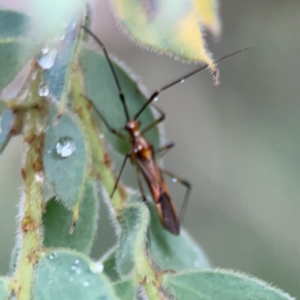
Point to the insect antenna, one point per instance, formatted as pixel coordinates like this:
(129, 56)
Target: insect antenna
(182, 79)
(121, 95)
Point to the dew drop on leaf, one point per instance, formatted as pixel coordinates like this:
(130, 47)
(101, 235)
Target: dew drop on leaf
(52, 256)
(46, 58)
(97, 267)
(43, 89)
(86, 283)
(65, 147)
(174, 179)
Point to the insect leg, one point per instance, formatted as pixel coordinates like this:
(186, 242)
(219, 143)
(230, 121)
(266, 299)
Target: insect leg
(111, 129)
(163, 150)
(121, 95)
(120, 173)
(159, 120)
(188, 187)
(155, 95)
(138, 175)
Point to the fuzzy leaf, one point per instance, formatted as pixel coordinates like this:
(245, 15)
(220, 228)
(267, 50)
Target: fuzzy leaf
(15, 47)
(220, 285)
(7, 118)
(58, 220)
(134, 222)
(102, 90)
(109, 265)
(207, 12)
(69, 275)
(125, 290)
(174, 252)
(57, 77)
(167, 25)
(66, 157)
(4, 290)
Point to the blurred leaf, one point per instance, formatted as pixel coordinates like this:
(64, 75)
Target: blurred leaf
(207, 11)
(57, 77)
(220, 285)
(167, 25)
(58, 220)
(109, 265)
(4, 290)
(134, 222)
(49, 18)
(66, 157)
(16, 48)
(7, 118)
(173, 252)
(101, 89)
(68, 275)
(125, 290)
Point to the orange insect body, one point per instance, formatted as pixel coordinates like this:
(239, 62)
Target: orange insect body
(143, 156)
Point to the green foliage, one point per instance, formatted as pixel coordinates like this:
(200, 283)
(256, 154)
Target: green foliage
(63, 150)
(69, 275)
(171, 252)
(66, 157)
(220, 285)
(15, 50)
(4, 290)
(58, 220)
(6, 121)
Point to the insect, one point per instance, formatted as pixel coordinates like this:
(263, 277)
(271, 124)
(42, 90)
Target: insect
(143, 154)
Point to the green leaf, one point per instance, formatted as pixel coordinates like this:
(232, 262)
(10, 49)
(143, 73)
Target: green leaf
(15, 47)
(12, 24)
(101, 89)
(109, 265)
(169, 26)
(58, 220)
(174, 252)
(7, 118)
(125, 290)
(68, 275)
(57, 77)
(66, 157)
(220, 285)
(4, 290)
(134, 222)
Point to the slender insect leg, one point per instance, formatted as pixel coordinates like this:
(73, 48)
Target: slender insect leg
(120, 173)
(163, 150)
(111, 129)
(187, 193)
(138, 175)
(121, 95)
(159, 120)
(156, 94)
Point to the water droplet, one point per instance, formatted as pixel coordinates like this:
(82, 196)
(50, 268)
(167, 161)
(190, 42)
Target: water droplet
(174, 179)
(46, 58)
(65, 147)
(43, 89)
(97, 267)
(155, 98)
(39, 177)
(101, 135)
(76, 267)
(52, 255)
(85, 283)
(182, 80)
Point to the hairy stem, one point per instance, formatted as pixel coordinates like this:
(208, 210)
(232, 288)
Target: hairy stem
(30, 226)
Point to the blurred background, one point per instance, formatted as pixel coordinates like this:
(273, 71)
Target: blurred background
(238, 143)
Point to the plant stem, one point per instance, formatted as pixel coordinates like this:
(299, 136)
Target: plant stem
(30, 225)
